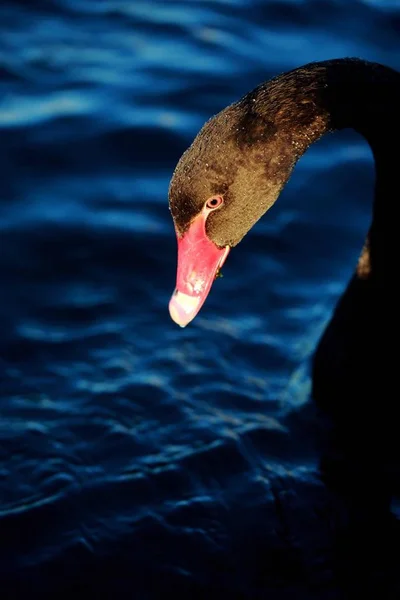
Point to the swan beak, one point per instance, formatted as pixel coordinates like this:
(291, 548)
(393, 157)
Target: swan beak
(199, 261)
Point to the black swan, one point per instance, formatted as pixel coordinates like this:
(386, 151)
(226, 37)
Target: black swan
(239, 162)
(229, 177)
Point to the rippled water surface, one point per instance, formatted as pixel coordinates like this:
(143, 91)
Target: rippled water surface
(136, 457)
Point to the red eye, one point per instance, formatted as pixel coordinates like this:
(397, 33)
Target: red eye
(214, 202)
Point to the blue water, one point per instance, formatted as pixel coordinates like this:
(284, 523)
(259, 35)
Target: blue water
(138, 459)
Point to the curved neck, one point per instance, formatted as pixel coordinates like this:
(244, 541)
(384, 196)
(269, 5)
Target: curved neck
(327, 96)
(366, 97)
(335, 94)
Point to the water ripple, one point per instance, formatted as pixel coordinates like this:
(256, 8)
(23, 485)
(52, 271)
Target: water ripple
(133, 454)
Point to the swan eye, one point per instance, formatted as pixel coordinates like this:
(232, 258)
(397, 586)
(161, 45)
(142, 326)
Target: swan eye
(214, 202)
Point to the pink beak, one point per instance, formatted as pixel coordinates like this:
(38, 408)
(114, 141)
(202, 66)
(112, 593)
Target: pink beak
(199, 261)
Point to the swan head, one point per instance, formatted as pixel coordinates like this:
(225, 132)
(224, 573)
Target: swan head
(222, 185)
(231, 175)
